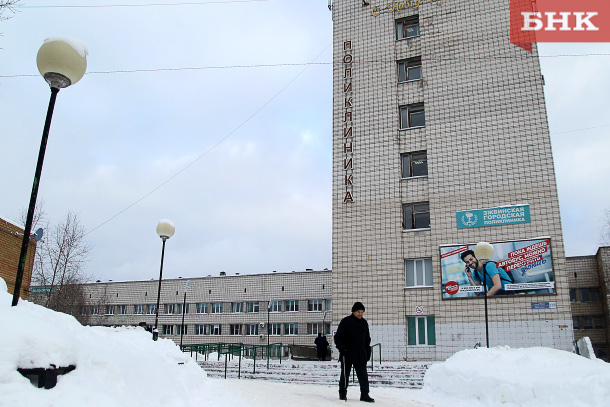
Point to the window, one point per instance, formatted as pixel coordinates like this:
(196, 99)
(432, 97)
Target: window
(109, 309)
(329, 304)
(178, 309)
(594, 294)
(252, 329)
(576, 322)
(275, 306)
(202, 307)
(200, 329)
(588, 294)
(588, 322)
(235, 329)
(168, 329)
(95, 310)
(237, 307)
(421, 331)
(419, 272)
(151, 309)
(215, 330)
(217, 308)
(122, 309)
(314, 305)
(409, 70)
(407, 28)
(181, 330)
(291, 329)
(169, 308)
(584, 295)
(416, 216)
(414, 164)
(572, 295)
(412, 116)
(84, 310)
(275, 329)
(317, 327)
(598, 322)
(292, 305)
(252, 306)
(138, 309)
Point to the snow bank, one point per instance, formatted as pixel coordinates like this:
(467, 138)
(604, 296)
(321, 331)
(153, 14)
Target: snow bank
(536, 377)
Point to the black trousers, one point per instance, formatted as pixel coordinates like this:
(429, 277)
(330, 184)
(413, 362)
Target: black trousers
(346, 370)
(322, 353)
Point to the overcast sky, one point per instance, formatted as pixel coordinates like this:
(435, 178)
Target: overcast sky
(238, 154)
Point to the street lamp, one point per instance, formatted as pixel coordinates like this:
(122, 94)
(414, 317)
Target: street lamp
(484, 251)
(61, 62)
(165, 230)
(186, 288)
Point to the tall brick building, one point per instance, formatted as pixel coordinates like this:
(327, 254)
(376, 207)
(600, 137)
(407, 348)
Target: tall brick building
(11, 237)
(440, 141)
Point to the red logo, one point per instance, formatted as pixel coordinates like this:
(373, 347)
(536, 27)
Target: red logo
(452, 288)
(558, 21)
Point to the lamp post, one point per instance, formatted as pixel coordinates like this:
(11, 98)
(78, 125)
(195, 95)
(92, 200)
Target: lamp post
(61, 62)
(484, 251)
(188, 283)
(165, 230)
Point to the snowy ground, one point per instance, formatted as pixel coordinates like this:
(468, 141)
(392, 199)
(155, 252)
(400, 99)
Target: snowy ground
(123, 367)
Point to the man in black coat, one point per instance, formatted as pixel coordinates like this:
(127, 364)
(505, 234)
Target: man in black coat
(321, 346)
(353, 341)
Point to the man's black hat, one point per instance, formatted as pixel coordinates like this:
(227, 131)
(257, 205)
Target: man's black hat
(358, 306)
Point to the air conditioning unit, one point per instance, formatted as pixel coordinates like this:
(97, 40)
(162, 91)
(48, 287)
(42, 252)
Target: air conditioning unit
(261, 324)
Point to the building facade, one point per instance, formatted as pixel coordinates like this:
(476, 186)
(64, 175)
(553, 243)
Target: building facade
(11, 237)
(589, 279)
(440, 141)
(288, 308)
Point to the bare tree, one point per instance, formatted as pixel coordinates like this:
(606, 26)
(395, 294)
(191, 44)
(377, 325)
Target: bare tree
(59, 266)
(605, 231)
(10, 6)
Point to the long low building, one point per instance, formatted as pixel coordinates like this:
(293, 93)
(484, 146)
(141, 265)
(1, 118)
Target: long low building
(288, 308)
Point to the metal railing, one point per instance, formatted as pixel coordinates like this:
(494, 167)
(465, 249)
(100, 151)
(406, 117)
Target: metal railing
(230, 350)
(373, 355)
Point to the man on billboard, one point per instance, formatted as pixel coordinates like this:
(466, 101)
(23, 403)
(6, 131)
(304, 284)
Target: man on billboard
(496, 277)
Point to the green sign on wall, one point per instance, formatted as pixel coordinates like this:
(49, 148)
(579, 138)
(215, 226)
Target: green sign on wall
(502, 215)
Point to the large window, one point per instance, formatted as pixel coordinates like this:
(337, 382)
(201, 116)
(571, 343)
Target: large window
(572, 295)
(122, 309)
(409, 70)
(252, 329)
(291, 329)
(95, 310)
(292, 305)
(200, 329)
(275, 329)
(237, 307)
(414, 164)
(412, 116)
(217, 308)
(576, 322)
(421, 331)
(181, 330)
(215, 329)
(314, 305)
(419, 272)
(589, 294)
(313, 328)
(252, 306)
(169, 308)
(235, 329)
(138, 309)
(151, 309)
(202, 307)
(178, 308)
(109, 309)
(275, 306)
(329, 304)
(416, 216)
(168, 329)
(407, 28)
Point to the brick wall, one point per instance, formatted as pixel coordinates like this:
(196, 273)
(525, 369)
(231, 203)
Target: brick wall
(11, 237)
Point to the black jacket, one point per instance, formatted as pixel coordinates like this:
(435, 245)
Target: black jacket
(321, 342)
(353, 339)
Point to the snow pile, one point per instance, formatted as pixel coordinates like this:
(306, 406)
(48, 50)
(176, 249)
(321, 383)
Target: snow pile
(114, 366)
(536, 377)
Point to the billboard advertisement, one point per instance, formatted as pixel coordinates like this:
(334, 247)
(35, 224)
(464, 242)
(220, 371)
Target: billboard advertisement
(517, 268)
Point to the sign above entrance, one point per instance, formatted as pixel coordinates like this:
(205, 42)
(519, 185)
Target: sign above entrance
(502, 215)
